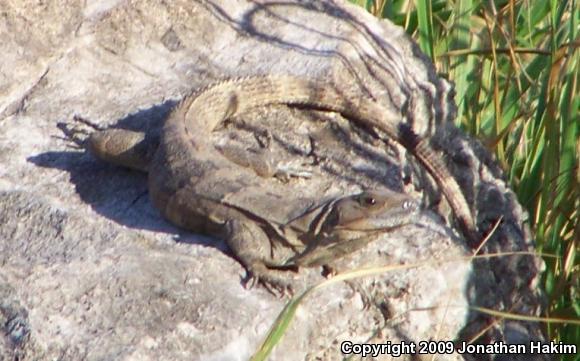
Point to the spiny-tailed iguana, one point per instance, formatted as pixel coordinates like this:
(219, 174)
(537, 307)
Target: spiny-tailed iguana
(196, 187)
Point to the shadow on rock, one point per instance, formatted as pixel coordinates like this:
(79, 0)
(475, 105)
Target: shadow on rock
(117, 193)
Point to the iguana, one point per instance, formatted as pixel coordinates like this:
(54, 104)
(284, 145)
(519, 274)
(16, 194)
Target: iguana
(197, 188)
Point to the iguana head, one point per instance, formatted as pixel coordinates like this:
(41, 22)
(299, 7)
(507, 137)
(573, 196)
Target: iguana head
(353, 222)
(371, 211)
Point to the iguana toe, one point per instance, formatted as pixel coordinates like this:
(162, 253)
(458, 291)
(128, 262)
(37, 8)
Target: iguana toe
(276, 282)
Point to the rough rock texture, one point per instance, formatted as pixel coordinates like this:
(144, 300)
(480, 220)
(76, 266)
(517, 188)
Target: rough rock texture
(90, 271)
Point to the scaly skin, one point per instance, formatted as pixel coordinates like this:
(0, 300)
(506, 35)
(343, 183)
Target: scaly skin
(197, 115)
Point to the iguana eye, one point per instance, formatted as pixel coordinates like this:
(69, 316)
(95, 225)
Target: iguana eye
(367, 200)
(408, 204)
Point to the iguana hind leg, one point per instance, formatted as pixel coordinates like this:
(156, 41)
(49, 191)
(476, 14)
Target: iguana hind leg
(123, 147)
(252, 247)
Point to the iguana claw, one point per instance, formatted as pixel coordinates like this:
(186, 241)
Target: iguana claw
(277, 284)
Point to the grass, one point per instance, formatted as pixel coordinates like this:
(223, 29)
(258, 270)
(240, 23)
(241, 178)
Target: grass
(515, 65)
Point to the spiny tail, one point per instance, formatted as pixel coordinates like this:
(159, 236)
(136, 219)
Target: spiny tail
(448, 185)
(421, 149)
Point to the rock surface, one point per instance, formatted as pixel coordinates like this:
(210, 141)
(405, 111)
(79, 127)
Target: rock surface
(90, 271)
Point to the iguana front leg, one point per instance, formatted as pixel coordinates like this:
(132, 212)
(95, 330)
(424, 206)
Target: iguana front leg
(253, 248)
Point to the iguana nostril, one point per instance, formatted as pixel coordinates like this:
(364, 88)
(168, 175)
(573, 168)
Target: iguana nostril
(409, 204)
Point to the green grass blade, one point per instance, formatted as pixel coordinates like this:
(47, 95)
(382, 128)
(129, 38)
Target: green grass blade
(425, 21)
